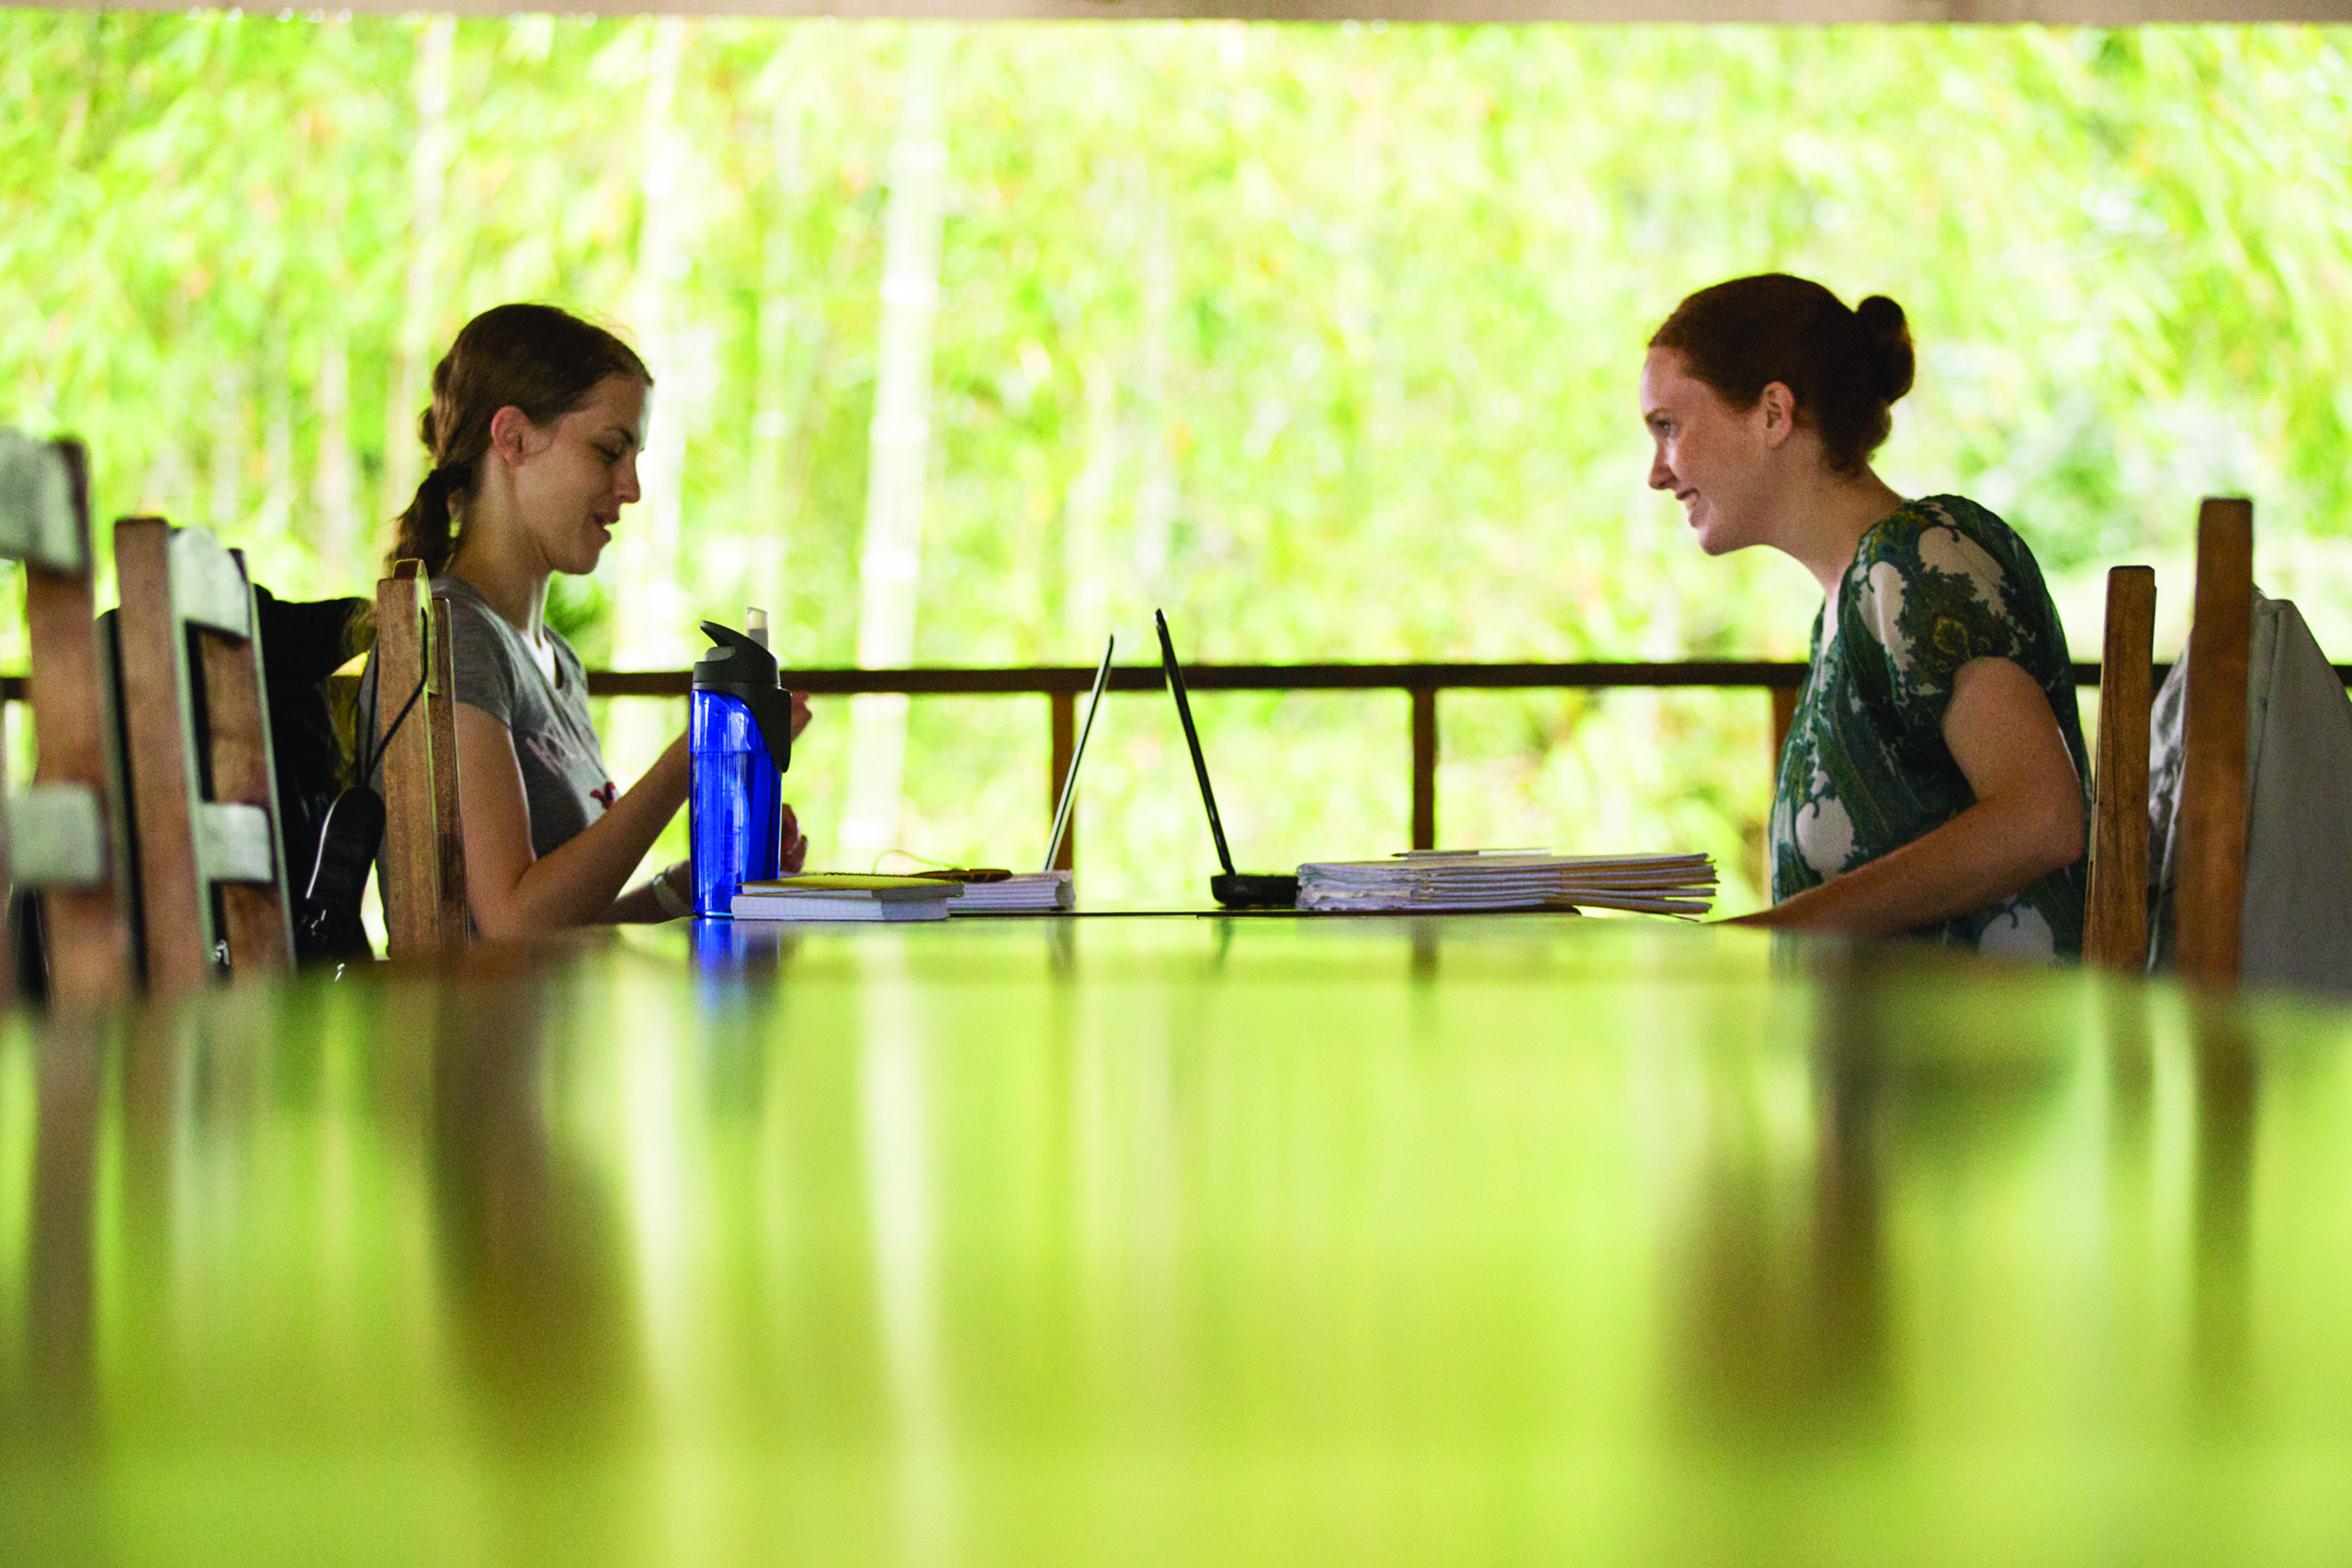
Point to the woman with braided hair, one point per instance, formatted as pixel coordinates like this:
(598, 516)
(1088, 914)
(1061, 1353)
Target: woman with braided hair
(537, 421)
(1933, 781)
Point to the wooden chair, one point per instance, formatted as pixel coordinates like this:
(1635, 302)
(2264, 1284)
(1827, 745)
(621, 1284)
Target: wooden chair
(2210, 901)
(2115, 928)
(64, 836)
(2210, 898)
(424, 864)
(203, 788)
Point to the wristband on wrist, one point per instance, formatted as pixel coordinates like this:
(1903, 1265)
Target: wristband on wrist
(667, 898)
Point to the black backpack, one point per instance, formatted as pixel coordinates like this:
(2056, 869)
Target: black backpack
(301, 645)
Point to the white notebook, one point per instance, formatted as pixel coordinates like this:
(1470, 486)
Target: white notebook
(834, 906)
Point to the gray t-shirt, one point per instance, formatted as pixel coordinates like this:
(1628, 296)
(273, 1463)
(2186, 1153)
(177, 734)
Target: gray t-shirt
(565, 786)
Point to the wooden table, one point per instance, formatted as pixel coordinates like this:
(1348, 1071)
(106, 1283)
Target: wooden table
(1184, 1241)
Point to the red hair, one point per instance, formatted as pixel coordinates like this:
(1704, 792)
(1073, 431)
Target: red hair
(1845, 367)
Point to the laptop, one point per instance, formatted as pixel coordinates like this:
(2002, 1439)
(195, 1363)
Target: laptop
(1233, 889)
(1078, 755)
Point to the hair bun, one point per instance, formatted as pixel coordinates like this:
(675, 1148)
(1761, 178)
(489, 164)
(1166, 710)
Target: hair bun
(1890, 344)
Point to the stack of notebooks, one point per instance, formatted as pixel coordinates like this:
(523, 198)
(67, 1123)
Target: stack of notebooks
(840, 896)
(1015, 893)
(1438, 881)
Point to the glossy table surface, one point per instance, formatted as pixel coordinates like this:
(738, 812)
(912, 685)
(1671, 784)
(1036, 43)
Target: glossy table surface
(1522, 1239)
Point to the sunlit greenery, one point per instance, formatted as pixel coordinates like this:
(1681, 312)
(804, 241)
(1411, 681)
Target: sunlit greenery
(1324, 338)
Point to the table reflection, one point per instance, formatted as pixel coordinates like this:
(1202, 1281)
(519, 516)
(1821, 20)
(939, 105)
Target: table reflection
(1401, 1240)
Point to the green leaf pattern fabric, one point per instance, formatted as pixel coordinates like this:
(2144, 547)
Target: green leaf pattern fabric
(1938, 582)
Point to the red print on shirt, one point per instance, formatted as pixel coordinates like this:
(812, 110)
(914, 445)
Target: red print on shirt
(606, 793)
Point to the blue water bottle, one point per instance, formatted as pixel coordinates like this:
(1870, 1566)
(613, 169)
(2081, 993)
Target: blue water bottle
(740, 733)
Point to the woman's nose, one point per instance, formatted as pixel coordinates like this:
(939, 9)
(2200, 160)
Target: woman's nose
(1661, 477)
(625, 482)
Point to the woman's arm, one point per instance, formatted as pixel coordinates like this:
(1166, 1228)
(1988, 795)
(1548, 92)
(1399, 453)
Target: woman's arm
(2027, 822)
(640, 906)
(511, 892)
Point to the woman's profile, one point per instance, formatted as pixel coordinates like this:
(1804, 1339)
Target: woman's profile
(536, 424)
(1932, 783)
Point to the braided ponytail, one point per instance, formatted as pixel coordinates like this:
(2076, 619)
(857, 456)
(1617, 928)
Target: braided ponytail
(536, 358)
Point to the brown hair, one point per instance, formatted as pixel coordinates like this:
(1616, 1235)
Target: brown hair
(535, 358)
(1846, 368)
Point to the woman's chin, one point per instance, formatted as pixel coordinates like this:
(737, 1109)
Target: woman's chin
(1717, 539)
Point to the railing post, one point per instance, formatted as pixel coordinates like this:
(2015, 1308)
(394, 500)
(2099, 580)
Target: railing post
(1784, 718)
(1063, 706)
(1424, 767)
(1785, 714)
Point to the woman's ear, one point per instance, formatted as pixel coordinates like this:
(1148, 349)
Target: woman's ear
(1778, 406)
(513, 436)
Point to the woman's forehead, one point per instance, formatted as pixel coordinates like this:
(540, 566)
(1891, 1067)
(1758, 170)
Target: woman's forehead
(1665, 380)
(617, 403)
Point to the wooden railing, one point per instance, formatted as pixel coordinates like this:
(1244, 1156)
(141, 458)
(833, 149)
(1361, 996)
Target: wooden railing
(1062, 685)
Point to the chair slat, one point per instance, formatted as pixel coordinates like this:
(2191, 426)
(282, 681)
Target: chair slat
(93, 954)
(208, 587)
(38, 523)
(256, 913)
(412, 863)
(2115, 932)
(155, 701)
(57, 837)
(235, 840)
(2210, 898)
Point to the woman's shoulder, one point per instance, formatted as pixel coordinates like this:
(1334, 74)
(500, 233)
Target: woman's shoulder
(470, 617)
(487, 654)
(1950, 535)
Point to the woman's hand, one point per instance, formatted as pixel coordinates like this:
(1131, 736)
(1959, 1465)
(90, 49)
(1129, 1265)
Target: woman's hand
(800, 713)
(795, 842)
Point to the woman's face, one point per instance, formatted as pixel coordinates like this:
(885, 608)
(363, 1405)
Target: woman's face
(577, 473)
(1712, 457)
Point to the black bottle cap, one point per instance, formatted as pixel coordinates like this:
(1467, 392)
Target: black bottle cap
(739, 668)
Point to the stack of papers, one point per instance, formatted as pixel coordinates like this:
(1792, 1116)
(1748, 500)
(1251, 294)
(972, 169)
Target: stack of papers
(1511, 879)
(840, 896)
(1023, 892)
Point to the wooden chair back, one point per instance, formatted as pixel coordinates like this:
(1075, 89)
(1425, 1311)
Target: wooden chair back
(2115, 928)
(64, 836)
(424, 864)
(203, 788)
(2210, 898)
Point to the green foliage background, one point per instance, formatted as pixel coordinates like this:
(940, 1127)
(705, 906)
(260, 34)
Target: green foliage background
(1324, 338)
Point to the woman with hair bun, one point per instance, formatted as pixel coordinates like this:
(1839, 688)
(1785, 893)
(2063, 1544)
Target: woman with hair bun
(537, 421)
(1932, 783)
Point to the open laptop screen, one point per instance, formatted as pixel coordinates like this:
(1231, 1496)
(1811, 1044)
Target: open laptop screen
(1078, 755)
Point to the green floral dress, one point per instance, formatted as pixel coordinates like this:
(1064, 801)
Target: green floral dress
(1935, 584)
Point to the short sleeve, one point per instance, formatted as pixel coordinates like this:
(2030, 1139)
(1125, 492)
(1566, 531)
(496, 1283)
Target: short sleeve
(480, 662)
(1923, 598)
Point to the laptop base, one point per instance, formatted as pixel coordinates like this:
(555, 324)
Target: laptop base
(1254, 890)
